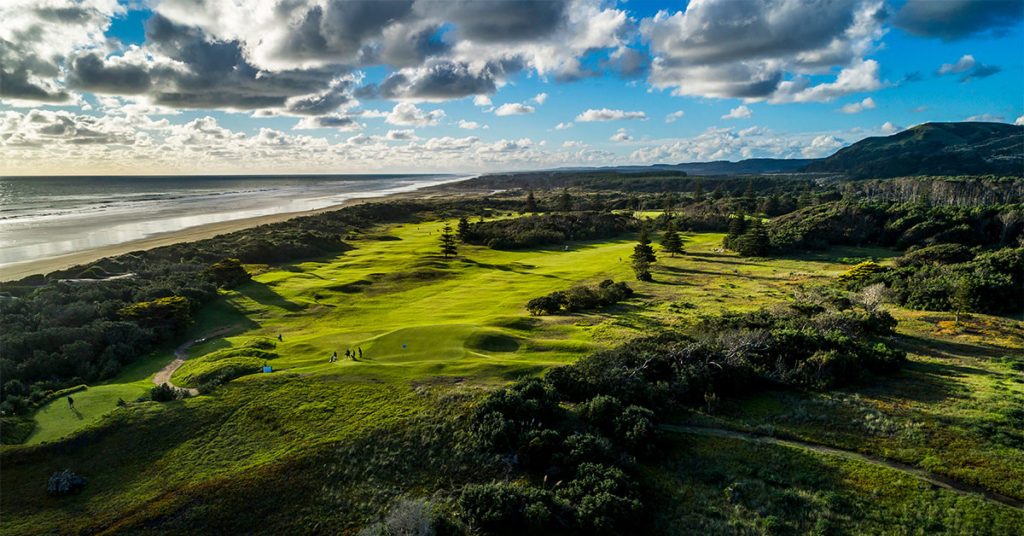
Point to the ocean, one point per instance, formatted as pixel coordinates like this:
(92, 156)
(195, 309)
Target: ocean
(43, 217)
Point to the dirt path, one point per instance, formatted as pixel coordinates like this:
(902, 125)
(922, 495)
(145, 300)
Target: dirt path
(164, 376)
(932, 478)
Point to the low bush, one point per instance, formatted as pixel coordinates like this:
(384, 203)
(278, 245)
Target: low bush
(580, 298)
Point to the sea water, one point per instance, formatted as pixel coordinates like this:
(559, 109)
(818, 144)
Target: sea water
(42, 217)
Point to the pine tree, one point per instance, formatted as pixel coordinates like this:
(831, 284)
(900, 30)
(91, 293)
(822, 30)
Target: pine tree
(645, 243)
(698, 194)
(531, 202)
(754, 242)
(716, 194)
(737, 226)
(670, 203)
(670, 241)
(641, 268)
(462, 231)
(749, 198)
(805, 199)
(564, 201)
(448, 247)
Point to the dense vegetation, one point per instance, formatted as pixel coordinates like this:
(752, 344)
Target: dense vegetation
(618, 398)
(546, 229)
(580, 298)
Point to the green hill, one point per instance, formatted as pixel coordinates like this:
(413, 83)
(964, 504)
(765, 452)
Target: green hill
(933, 149)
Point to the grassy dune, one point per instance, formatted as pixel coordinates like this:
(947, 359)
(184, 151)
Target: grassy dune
(434, 334)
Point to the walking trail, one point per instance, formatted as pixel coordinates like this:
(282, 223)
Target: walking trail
(164, 376)
(931, 478)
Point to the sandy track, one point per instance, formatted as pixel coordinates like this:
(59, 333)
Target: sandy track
(931, 478)
(164, 376)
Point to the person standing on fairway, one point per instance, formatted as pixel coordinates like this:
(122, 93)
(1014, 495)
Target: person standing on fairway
(71, 403)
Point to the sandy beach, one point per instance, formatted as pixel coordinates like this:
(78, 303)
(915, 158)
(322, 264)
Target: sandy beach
(17, 271)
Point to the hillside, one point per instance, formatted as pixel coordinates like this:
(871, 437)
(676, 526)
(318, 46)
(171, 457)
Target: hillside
(933, 149)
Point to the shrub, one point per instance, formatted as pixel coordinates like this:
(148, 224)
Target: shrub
(165, 393)
(860, 273)
(228, 273)
(580, 298)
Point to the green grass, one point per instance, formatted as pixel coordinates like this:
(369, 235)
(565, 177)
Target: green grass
(432, 328)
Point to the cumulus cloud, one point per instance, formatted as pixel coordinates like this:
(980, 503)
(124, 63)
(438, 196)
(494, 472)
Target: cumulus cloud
(604, 114)
(739, 112)
(952, 20)
(889, 128)
(563, 126)
(573, 144)
(968, 69)
(820, 146)
(468, 125)
(1019, 121)
(514, 108)
(858, 107)
(858, 78)
(407, 114)
(743, 49)
(481, 100)
(540, 98)
(621, 136)
(674, 116)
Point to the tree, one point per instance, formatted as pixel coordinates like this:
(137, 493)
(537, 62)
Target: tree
(228, 273)
(716, 194)
(670, 241)
(872, 296)
(754, 242)
(448, 247)
(531, 202)
(749, 198)
(698, 193)
(564, 201)
(670, 203)
(805, 199)
(737, 226)
(961, 298)
(643, 256)
(462, 231)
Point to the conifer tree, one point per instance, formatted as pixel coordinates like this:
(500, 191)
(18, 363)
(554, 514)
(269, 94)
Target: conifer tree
(670, 241)
(531, 202)
(448, 247)
(698, 194)
(643, 256)
(754, 242)
(462, 231)
(716, 194)
(749, 198)
(670, 203)
(564, 201)
(737, 226)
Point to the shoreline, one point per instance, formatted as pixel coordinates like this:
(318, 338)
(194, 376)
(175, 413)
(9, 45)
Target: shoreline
(14, 272)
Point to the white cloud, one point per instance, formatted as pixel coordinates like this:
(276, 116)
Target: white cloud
(604, 114)
(481, 100)
(540, 98)
(739, 112)
(731, 49)
(858, 107)
(1019, 121)
(674, 116)
(514, 108)
(987, 118)
(889, 128)
(820, 146)
(621, 136)
(468, 125)
(859, 78)
(407, 114)
(563, 126)
(965, 63)
(573, 144)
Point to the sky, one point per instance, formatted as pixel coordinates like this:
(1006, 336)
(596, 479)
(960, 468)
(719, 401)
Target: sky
(460, 86)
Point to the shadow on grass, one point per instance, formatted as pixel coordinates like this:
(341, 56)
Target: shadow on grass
(508, 268)
(948, 349)
(264, 295)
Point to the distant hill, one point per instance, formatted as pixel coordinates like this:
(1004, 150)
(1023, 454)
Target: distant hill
(932, 149)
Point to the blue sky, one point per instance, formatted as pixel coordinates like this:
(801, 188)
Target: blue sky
(321, 86)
